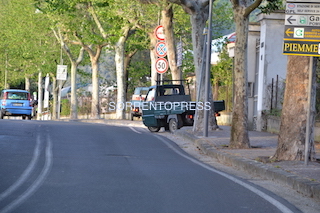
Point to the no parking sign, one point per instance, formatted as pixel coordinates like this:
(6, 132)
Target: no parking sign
(161, 49)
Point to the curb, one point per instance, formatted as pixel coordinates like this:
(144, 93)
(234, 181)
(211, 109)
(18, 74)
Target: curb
(255, 168)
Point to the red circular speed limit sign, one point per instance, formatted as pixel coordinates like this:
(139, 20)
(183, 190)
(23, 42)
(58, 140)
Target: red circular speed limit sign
(162, 65)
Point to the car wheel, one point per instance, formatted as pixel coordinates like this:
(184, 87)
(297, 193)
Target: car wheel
(24, 117)
(29, 117)
(132, 117)
(1, 114)
(154, 128)
(173, 125)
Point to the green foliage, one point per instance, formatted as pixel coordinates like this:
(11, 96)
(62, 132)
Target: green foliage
(65, 107)
(30, 46)
(274, 112)
(222, 71)
(270, 6)
(139, 71)
(222, 19)
(26, 42)
(187, 64)
(222, 76)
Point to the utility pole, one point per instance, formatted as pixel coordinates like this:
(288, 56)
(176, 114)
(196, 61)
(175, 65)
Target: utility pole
(207, 74)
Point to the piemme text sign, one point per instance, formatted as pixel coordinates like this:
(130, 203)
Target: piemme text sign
(302, 28)
(304, 48)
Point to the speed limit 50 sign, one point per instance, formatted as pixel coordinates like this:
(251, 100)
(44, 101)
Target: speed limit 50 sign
(162, 65)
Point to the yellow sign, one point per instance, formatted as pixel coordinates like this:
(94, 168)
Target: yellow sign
(306, 33)
(299, 47)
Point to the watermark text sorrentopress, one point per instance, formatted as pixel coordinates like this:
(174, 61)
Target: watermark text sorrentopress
(190, 105)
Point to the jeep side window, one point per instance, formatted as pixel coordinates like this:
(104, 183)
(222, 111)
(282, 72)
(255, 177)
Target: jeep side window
(171, 91)
(151, 94)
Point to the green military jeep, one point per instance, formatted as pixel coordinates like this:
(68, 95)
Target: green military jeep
(168, 106)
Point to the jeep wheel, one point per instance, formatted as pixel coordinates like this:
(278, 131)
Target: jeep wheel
(173, 125)
(153, 128)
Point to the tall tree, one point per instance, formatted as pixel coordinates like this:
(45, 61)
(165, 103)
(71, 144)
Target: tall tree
(291, 141)
(74, 61)
(239, 127)
(80, 23)
(174, 23)
(199, 13)
(127, 15)
(92, 38)
(167, 23)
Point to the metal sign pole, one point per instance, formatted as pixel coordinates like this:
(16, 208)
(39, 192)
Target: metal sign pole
(307, 141)
(207, 75)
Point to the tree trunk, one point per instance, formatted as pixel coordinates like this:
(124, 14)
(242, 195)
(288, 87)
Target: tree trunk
(73, 101)
(127, 61)
(74, 98)
(166, 20)
(27, 86)
(119, 59)
(239, 127)
(198, 22)
(153, 58)
(54, 97)
(95, 106)
(291, 140)
(40, 96)
(216, 90)
(74, 64)
(199, 13)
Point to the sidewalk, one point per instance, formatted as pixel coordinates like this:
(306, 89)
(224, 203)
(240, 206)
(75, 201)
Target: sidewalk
(295, 174)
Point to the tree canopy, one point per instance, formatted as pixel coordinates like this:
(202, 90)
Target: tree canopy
(27, 43)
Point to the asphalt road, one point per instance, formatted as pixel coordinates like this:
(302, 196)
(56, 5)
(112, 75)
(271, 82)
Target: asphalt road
(49, 166)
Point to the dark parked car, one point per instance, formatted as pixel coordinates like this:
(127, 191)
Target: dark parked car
(15, 102)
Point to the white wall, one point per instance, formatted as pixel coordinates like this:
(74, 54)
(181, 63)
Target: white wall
(271, 60)
(253, 36)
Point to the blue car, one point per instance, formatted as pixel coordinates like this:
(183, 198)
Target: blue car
(15, 102)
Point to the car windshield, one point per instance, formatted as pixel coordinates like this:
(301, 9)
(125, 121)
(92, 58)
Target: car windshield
(17, 96)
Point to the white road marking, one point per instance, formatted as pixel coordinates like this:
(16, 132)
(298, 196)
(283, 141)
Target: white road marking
(263, 195)
(36, 184)
(133, 129)
(26, 173)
